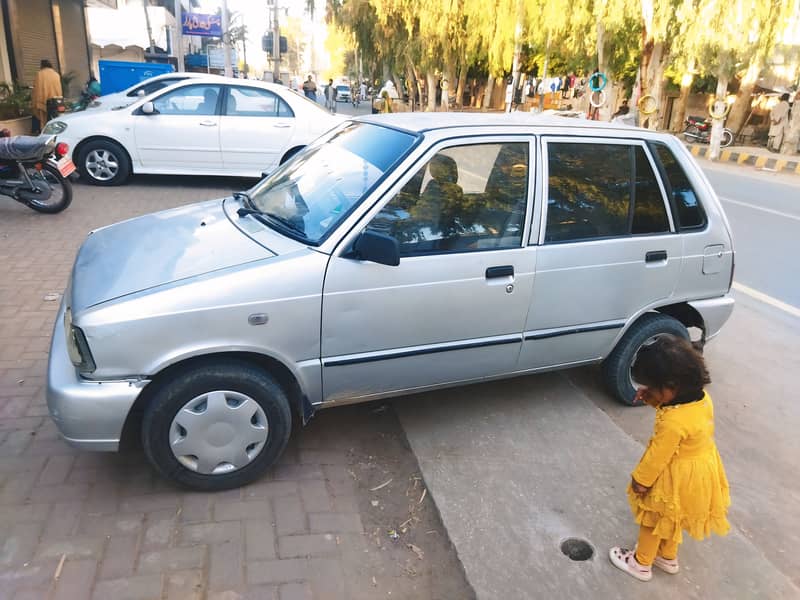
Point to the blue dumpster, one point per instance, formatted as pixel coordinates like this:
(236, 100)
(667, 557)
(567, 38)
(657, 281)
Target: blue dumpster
(117, 75)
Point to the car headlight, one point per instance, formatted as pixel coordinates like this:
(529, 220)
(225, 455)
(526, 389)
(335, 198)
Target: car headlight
(55, 127)
(77, 347)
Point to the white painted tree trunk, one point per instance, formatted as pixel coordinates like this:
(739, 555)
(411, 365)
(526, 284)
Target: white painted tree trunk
(487, 98)
(792, 138)
(718, 124)
(430, 80)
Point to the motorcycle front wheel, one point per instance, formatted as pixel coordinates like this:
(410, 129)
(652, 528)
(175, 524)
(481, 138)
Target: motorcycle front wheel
(60, 190)
(727, 138)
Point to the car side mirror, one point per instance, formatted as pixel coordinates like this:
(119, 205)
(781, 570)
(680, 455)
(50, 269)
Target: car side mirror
(378, 248)
(149, 109)
(140, 93)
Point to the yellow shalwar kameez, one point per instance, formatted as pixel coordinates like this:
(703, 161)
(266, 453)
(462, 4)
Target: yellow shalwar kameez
(46, 85)
(682, 467)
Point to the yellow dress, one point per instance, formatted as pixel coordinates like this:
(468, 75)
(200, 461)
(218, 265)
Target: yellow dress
(682, 467)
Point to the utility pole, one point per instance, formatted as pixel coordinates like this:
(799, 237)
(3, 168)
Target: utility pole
(226, 40)
(178, 41)
(544, 73)
(276, 44)
(149, 29)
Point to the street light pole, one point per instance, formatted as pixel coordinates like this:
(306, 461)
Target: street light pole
(226, 40)
(276, 44)
(178, 42)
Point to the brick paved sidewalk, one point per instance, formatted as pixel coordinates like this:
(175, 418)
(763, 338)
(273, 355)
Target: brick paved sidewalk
(77, 525)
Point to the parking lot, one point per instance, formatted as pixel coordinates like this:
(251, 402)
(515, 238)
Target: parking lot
(81, 525)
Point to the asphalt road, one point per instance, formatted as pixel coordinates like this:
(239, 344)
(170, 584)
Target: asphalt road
(764, 212)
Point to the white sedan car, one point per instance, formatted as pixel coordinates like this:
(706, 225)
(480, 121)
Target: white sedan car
(217, 126)
(143, 88)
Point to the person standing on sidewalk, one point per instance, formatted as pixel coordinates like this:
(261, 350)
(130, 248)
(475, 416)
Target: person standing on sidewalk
(778, 121)
(330, 97)
(46, 85)
(680, 482)
(310, 89)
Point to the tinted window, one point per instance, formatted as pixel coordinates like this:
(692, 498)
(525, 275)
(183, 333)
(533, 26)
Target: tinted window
(154, 86)
(589, 191)
(254, 102)
(465, 198)
(189, 100)
(690, 211)
(649, 212)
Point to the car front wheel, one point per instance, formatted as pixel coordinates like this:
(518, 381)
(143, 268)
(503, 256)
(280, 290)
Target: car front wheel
(103, 162)
(217, 425)
(617, 366)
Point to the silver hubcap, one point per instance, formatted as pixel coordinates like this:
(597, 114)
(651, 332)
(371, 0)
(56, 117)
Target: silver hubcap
(218, 432)
(102, 164)
(647, 342)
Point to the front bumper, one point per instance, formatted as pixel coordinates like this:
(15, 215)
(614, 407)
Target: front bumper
(715, 311)
(89, 414)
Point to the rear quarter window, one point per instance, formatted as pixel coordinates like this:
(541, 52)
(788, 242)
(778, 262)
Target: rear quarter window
(685, 202)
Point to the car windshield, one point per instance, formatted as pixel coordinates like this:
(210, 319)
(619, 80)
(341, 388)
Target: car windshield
(309, 196)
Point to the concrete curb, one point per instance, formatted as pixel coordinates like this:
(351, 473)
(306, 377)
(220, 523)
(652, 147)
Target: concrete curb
(758, 161)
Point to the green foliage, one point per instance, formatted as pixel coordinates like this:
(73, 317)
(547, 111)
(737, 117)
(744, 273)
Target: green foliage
(15, 101)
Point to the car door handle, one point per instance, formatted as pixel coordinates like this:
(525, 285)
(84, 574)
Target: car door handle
(282, 125)
(504, 271)
(655, 256)
(208, 123)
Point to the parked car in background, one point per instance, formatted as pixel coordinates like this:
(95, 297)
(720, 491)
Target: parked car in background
(397, 254)
(141, 89)
(342, 93)
(199, 126)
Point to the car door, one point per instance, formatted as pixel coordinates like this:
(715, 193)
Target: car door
(453, 309)
(182, 134)
(609, 249)
(257, 126)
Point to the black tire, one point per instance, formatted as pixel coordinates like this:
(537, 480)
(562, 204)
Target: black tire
(107, 148)
(56, 181)
(226, 374)
(617, 365)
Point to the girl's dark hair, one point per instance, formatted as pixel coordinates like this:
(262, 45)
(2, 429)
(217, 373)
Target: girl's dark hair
(671, 361)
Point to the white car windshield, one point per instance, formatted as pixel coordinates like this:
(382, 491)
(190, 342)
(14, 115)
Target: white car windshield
(308, 196)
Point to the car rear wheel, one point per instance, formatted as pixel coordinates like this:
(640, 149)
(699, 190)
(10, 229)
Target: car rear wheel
(103, 162)
(217, 425)
(617, 366)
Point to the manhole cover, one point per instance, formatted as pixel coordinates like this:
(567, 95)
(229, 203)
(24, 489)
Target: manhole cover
(577, 549)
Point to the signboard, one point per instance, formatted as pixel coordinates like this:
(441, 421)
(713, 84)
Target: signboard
(216, 58)
(205, 25)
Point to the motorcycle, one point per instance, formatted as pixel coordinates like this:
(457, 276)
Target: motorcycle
(698, 129)
(35, 172)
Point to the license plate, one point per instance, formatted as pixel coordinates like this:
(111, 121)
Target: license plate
(65, 166)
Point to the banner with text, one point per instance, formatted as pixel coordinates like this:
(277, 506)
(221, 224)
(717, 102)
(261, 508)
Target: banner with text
(198, 24)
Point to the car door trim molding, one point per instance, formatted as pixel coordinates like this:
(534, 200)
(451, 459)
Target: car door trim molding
(367, 357)
(542, 334)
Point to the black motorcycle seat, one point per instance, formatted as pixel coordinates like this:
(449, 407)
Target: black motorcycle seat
(23, 147)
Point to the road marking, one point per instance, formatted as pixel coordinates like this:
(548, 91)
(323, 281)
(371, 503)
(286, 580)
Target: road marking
(753, 206)
(774, 302)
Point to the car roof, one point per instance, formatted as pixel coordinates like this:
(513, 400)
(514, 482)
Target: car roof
(420, 122)
(256, 83)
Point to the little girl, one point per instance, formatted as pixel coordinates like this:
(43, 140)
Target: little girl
(679, 483)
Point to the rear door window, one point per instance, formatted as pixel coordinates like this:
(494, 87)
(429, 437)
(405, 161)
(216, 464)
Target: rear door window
(601, 190)
(690, 213)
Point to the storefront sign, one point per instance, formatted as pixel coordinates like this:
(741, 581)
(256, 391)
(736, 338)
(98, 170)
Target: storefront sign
(206, 25)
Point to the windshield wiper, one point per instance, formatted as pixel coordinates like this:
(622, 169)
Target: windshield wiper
(247, 199)
(267, 217)
(285, 222)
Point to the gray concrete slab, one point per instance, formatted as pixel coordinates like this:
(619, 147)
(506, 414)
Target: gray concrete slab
(516, 467)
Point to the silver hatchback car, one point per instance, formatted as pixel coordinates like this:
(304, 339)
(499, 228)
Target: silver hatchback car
(396, 254)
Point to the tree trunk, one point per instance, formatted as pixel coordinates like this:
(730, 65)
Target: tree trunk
(792, 138)
(487, 97)
(430, 80)
(412, 84)
(718, 124)
(679, 109)
(462, 82)
(741, 108)
(654, 62)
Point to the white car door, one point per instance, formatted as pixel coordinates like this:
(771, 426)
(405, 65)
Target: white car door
(257, 127)
(182, 134)
(454, 308)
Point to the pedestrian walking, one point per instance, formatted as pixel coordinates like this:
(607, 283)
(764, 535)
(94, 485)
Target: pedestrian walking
(778, 123)
(679, 483)
(310, 89)
(46, 85)
(330, 97)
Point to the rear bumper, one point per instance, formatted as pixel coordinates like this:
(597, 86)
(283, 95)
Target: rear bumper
(89, 414)
(715, 311)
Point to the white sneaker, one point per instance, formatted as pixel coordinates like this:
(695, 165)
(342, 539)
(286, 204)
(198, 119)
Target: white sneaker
(668, 565)
(625, 560)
